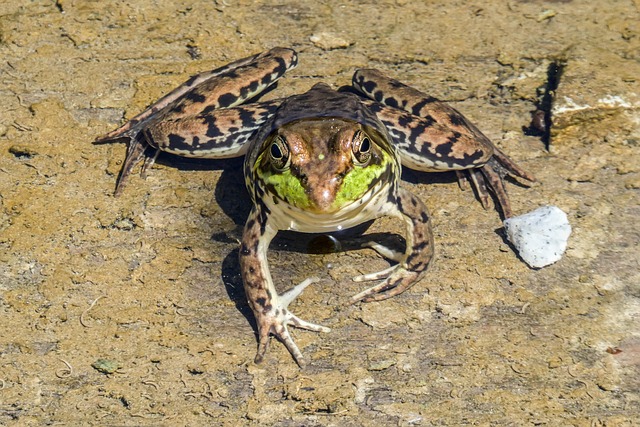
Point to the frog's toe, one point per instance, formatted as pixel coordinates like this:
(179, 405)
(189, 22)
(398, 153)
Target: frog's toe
(286, 298)
(383, 274)
(276, 324)
(399, 281)
(478, 181)
(276, 320)
(497, 186)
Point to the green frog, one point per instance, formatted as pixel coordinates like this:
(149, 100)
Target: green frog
(318, 162)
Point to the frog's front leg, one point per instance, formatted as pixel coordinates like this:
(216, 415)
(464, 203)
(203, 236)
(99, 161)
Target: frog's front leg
(270, 309)
(417, 256)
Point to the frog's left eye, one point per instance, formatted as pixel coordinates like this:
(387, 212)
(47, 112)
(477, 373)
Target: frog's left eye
(361, 148)
(279, 153)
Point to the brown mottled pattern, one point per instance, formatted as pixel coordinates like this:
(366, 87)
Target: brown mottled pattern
(215, 134)
(276, 58)
(398, 95)
(432, 146)
(433, 136)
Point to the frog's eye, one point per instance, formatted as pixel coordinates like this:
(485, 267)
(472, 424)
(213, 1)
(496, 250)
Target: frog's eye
(279, 153)
(361, 148)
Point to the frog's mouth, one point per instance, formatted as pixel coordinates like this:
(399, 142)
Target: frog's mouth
(370, 205)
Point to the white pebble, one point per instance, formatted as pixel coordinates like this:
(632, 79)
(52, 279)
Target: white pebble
(540, 236)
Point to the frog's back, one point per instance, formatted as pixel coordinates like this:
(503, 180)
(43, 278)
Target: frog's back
(320, 102)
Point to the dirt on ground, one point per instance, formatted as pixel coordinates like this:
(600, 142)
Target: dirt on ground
(130, 311)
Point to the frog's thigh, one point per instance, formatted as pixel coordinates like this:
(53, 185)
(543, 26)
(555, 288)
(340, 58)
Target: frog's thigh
(216, 134)
(425, 145)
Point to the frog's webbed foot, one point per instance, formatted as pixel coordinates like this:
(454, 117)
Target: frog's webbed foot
(398, 279)
(412, 263)
(490, 177)
(136, 152)
(276, 319)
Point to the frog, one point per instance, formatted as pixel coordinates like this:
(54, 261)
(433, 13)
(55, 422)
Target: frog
(318, 162)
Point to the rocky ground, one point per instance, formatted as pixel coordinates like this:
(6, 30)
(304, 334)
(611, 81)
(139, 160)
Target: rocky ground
(130, 310)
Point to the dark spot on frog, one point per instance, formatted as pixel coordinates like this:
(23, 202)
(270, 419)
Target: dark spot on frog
(391, 102)
(227, 99)
(244, 250)
(195, 97)
(213, 130)
(417, 107)
(176, 140)
(456, 119)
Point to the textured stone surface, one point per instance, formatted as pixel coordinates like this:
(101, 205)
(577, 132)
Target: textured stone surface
(150, 280)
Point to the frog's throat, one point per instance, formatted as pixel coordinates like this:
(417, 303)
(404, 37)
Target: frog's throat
(288, 188)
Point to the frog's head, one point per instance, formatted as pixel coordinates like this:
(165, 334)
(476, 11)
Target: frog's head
(322, 165)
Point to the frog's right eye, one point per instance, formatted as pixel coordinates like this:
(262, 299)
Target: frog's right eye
(279, 153)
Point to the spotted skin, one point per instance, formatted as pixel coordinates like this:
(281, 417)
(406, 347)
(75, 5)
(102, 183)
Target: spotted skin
(318, 162)
(432, 136)
(196, 119)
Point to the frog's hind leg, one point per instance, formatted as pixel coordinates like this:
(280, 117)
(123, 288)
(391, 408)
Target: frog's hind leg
(202, 117)
(432, 136)
(222, 87)
(270, 309)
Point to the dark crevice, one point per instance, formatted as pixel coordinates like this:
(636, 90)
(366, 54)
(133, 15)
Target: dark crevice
(541, 119)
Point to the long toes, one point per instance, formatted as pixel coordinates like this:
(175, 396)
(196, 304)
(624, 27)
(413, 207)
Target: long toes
(395, 284)
(284, 336)
(135, 153)
(497, 185)
(291, 294)
(302, 324)
(481, 187)
(376, 276)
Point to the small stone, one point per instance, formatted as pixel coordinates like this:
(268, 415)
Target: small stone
(105, 366)
(540, 236)
(329, 41)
